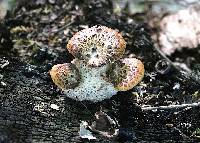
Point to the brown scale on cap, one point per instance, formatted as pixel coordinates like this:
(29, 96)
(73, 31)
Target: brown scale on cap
(134, 74)
(65, 75)
(97, 45)
(126, 74)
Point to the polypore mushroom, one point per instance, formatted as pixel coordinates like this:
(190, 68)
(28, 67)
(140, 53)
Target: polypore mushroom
(134, 72)
(65, 75)
(97, 45)
(97, 72)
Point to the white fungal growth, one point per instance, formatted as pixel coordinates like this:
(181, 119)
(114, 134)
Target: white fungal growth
(93, 85)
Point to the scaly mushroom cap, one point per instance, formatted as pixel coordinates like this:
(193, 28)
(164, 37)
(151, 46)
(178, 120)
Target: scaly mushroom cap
(97, 45)
(126, 73)
(134, 74)
(65, 76)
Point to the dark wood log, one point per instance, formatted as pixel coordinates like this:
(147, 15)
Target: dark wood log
(27, 115)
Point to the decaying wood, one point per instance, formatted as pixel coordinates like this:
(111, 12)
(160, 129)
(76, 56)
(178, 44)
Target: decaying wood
(32, 109)
(25, 111)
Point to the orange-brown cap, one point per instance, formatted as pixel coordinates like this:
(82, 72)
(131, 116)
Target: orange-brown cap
(126, 73)
(97, 45)
(134, 74)
(65, 76)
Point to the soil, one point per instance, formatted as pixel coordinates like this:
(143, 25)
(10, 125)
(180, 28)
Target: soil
(34, 37)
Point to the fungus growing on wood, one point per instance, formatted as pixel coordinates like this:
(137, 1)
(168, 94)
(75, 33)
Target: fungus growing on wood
(134, 74)
(65, 76)
(97, 45)
(97, 72)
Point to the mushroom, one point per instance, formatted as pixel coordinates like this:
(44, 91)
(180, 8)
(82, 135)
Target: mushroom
(65, 75)
(97, 72)
(133, 75)
(97, 45)
(125, 73)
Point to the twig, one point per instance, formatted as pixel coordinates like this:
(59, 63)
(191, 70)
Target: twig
(62, 28)
(171, 107)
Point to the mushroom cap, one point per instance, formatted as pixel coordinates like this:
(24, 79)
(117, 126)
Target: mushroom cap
(65, 76)
(126, 73)
(97, 45)
(134, 74)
